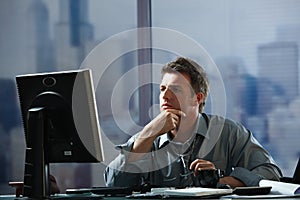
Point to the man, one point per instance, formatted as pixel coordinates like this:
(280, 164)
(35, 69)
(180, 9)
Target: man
(181, 141)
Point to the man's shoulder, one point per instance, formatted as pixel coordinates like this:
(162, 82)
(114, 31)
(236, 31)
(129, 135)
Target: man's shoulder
(213, 119)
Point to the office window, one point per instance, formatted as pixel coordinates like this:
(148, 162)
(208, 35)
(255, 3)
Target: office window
(255, 45)
(43, 36)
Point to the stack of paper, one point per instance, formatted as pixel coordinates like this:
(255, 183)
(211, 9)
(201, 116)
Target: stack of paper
(281, 187)
(194, 191)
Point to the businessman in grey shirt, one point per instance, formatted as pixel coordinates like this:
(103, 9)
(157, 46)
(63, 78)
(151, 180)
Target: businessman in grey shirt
(181, 141)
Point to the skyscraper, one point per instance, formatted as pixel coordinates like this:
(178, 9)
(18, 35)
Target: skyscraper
(278, 71)
(39, 45)
(73, 34)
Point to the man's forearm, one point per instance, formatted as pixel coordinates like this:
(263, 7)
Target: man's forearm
(231, 181)
(142, 145)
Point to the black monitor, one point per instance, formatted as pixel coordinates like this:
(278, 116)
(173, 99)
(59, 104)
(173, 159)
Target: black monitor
(61, 124)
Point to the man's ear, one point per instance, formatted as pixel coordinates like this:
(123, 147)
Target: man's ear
(199, 98)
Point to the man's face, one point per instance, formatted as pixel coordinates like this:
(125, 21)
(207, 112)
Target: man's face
(176, 93)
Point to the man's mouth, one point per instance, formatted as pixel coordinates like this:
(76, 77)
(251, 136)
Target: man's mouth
(166, 106)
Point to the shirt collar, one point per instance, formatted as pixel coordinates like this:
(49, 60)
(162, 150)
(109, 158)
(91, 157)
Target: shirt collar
(200, 128)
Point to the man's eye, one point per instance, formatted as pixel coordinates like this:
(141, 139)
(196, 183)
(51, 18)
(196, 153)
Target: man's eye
(175, 90)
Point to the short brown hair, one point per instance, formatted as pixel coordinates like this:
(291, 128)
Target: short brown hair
(198, 76)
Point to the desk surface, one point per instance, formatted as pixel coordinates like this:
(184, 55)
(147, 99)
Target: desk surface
(77, 197)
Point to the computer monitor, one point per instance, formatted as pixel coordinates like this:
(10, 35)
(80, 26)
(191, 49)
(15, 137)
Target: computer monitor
(61, 124)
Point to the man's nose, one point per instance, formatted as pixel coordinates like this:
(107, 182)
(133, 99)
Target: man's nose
(167, 93)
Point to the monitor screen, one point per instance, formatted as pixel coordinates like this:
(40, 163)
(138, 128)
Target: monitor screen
(70, 122)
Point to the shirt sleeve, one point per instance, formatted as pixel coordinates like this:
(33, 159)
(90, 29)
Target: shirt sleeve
(251, 162)
(122, 173)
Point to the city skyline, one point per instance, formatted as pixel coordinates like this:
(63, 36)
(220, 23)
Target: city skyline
(237, 39)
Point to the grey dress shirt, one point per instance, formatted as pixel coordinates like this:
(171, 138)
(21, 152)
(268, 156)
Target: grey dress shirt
(229, 145)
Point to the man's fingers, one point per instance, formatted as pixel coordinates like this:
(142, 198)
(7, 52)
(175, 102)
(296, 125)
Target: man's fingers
(167, 120)
(200, 164)
(179, 113)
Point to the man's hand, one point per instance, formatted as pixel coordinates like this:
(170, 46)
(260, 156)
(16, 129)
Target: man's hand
(166, 121)
(200, 164)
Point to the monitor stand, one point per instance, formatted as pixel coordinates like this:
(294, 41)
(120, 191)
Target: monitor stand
(36, 172)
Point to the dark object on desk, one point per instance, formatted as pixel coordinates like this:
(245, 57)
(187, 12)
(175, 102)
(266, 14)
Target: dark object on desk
(105, 191)
(111, 191)
(61, 124)
(252, 190)
(209, 178)
(296, 177)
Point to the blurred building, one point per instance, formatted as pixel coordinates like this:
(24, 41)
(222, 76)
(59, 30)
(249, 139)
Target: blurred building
(9, 117)
(278, 73)
(241, 89)
(39, 46)
(283, 126)
(73, 34)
